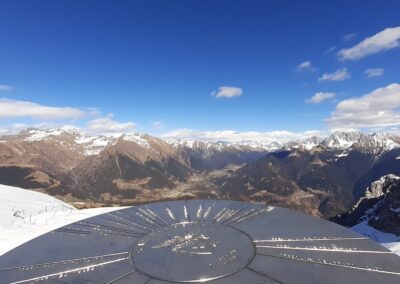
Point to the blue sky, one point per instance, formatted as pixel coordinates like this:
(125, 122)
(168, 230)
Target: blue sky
(158, 66)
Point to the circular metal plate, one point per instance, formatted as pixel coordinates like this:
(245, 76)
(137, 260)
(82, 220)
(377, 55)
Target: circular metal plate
(202, 251)
(201, 241)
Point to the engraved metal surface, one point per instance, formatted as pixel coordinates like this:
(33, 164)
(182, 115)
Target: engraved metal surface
(201, 241)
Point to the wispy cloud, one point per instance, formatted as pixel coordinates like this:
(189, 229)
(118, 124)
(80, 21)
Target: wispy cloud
(384, 40)
(319, 97)
(13, 109)
(349, 36)
(158, 124)
(329, 50)
(227, 92)
(377, 109)
(237, 136)
(107, 124)
(306, 66)
(374, 72)
(338, 75)
(5, 88)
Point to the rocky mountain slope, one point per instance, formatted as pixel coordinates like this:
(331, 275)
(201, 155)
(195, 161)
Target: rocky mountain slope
(320, 176)
(378, 208)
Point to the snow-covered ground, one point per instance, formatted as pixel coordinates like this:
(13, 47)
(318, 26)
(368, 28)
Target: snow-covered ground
(26, 214)
(390, 241)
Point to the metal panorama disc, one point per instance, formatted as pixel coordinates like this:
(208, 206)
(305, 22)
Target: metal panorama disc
(201, 241)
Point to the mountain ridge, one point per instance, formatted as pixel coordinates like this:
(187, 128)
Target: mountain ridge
(322, 176)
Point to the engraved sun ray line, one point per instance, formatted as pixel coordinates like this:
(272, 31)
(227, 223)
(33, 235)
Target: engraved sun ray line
(122, 223)
(243, 213)
(157, 216)
(85, 232)
(324, 262)
(66, 272)
(133, 220)
(238, 212)
(148, 218)
(142, 220)
(200, 211)
(345, 250)
(253, 213)
(277, 240)
(186, 211)
(121, 277)
(217, 216)
(152, 216)
(262, 274)
(170, 212)
(226, 214)
(107, 229)
(68, 230)
(148, 222)
(208, 214)
(31, 266)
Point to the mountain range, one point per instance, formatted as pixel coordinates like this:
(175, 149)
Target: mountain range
(323, 176)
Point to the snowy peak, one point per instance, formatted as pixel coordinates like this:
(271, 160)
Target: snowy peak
(36, 134)
(378, 208)
(222, 145)
(73, 137)
(67, 136)
(374, 143)
(381, 186)
(342, 139)
(138, 138)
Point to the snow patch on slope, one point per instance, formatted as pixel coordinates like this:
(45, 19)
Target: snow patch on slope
(137, 138)
(390, 241)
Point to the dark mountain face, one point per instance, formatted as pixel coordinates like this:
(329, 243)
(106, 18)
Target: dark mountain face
(379, 207)
(388, 163)
(125, 169)
(206, 157)
(301, 178)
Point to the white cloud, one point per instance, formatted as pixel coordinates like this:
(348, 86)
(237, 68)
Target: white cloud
(14, 128)
(384, 40)
(338, 75)
(5, 88)
(158, 124)
(377, 109)
(320, 97)
(237, 136)
(306, 66)
(106, 125)
(227, 92)
(349, 36)
(12, 109)
(374, 72)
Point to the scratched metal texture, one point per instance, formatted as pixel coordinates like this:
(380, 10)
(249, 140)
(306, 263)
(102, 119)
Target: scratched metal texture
(201, 241)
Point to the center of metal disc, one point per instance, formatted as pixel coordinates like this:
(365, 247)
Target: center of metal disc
(192, 252)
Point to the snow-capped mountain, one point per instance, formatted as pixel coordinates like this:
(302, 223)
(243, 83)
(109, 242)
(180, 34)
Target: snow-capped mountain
(376, 142)
(126, 167)
(68, 136)
(94, 144)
